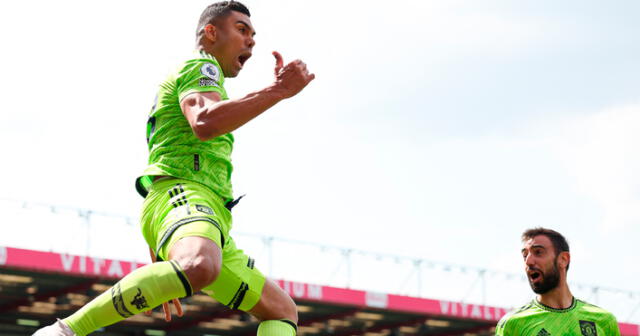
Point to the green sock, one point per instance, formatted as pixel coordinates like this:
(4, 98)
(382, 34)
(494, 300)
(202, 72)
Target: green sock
(277, 328)
(141, 290)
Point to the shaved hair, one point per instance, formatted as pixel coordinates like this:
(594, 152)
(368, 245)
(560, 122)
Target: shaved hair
(218, 10)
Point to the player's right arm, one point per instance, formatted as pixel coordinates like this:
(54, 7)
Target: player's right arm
(209, 116)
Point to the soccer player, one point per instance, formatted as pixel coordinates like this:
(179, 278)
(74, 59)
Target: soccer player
(554, 311)
(186, 214)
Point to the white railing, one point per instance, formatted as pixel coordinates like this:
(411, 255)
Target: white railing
(72, 230)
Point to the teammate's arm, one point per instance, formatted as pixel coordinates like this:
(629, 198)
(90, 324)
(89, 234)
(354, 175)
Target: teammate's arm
(210, 116)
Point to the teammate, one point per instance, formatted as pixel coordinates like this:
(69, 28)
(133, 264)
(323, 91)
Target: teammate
(554, 311)
(186, 214)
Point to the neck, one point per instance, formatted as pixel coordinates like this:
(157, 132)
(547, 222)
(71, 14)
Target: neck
(557, 298)
(210, 51)
(202, 44)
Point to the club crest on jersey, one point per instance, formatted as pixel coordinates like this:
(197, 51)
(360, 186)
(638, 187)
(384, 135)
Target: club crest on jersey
(210, 71)
(588, 328)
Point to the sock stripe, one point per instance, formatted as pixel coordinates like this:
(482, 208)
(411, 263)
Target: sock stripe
(118, 301)
(295, 327)
(283, 327)
(182, 277)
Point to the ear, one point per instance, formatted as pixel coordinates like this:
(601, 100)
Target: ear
(210, 32)
(564, 259)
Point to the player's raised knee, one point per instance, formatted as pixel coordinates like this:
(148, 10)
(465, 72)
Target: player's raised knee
(201, 270)
(200, 260)
(275, 304)
(284, 309)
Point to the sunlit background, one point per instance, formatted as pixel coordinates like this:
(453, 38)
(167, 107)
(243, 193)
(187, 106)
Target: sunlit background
(435, 132)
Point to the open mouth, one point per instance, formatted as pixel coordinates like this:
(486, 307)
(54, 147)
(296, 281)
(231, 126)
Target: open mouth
(534, 275)
(243, 58)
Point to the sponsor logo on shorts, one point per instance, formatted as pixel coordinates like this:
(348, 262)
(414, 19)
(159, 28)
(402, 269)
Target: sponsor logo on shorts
(208, 82)
(588, 328)
(204, 209)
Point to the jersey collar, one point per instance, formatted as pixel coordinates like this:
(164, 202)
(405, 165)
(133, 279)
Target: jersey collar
(201, 53)
(540, 305)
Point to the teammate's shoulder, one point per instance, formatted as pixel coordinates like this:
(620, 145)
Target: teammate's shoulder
(591, 308)
(524, 308)
(517, 313)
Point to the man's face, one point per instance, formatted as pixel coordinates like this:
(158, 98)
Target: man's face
(541, 264)
(234, 42)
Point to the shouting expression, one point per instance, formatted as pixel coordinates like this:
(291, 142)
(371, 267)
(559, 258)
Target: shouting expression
(541, 264)
(233, 41)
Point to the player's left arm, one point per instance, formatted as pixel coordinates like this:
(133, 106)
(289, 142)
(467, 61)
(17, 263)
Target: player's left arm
(614, 329)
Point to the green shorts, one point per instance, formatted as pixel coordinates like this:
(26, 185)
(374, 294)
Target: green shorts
(177, 208)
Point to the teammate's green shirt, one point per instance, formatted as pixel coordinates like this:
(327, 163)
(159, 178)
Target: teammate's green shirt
(536, 319)
(174, 150)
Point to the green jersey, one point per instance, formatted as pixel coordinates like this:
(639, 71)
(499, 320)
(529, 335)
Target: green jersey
(536, 319)
(174, 150)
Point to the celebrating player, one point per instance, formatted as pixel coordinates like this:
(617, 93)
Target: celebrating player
(186, 214)
(554, 311)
